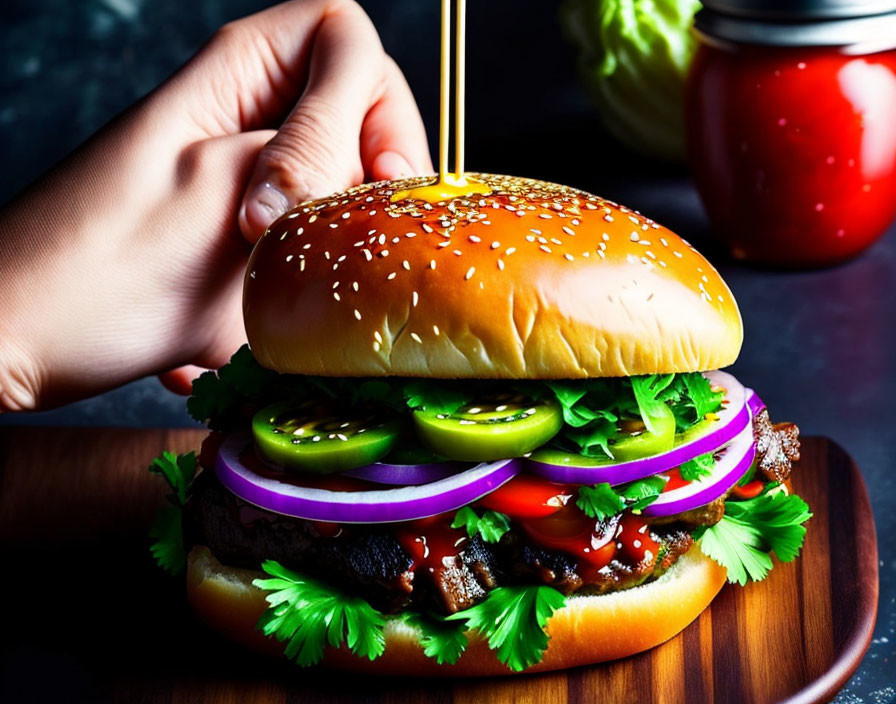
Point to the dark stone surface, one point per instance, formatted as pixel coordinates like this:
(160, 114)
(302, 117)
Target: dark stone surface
(820, 346)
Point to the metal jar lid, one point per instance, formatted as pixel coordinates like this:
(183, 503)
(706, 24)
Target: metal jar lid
(863, 25)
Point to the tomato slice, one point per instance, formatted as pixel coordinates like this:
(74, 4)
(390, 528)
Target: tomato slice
(490, 429)
(526, 496)
(317, 438)
(571, 531)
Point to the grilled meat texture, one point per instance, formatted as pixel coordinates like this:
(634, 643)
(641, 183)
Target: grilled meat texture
(777, 446)
(370, 561)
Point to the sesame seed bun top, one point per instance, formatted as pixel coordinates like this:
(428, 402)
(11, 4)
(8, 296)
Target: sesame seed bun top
(534, 280)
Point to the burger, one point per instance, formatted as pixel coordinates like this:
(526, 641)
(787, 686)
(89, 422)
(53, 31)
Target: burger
(475, 433)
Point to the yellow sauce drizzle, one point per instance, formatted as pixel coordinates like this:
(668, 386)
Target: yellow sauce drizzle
(450, 185)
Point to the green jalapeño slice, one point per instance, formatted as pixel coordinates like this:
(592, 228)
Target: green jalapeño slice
(319, 438)
(634, 440)
(491, 428)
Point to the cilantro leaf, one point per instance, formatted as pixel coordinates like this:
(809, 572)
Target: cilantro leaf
(736, 547)
(647, 390)
(434, 397)
(779, 519)
(643, 492)
(697, 468)
(491, 525)
(177, 470)
(602, 501)
(168, 545)
(703, 398)
(167, 530)
(593, 440)
(307, 615)
(512, 620)
(245, 375)
(440, 639)
(599, 501)
(740, 542)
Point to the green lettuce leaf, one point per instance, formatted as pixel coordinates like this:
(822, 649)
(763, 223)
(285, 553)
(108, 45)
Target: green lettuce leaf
(634, 57)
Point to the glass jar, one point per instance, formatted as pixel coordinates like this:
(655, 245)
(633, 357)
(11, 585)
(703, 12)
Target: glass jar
(791, 126)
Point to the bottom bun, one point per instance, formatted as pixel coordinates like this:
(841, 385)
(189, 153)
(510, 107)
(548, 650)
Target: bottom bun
(589, 629)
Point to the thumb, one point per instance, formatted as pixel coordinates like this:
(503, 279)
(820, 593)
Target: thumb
(317, 149)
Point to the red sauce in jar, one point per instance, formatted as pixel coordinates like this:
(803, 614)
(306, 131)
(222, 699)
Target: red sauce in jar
(794, 149)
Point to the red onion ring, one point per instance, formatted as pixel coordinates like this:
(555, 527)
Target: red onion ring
(385, 506)
(733, 419)
(729, 468)
(754, 403)
(406, 474)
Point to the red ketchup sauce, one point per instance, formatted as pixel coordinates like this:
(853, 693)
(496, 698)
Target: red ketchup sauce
(793, 149)
(431, 542)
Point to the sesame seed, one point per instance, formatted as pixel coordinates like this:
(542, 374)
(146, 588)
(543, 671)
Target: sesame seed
(634, 237)
(396, 240)
(359, 243)
(544, 248)
(534, 231)
(475, 239)
(336, 295)
(663, 242)
(390, 276)
(376, 346)
(605, 237)
(568, 230)
(335, 285)
(608, 217)
(416, 338)
(444, 244)
(556, 241)
(469, 274)
(355, 285)
(644, 242)
(384, 253)
(568, 257)
(406, 265)
(367, 255)
(495, 244)
(288, 257)
(409, 235)
(327, 256)
(457, 252)
(333, 225)
(415, 298)
(292, 215)
(357, 314)
(341, 259)
(302, 265)
(346, 216)
(600, 254)
(633, 219)
(377, 336)
(306, 246)
(382, 239)
(545, 216)
(501, 264)
(530, 238)
(435, 329)
(677, 254)
(432, 263)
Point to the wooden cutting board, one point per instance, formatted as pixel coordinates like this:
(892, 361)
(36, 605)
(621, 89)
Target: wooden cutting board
(90, 618)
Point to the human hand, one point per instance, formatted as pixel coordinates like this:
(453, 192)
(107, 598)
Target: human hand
(127, 259)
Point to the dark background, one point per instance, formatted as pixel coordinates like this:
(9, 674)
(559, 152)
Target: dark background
(820, 346)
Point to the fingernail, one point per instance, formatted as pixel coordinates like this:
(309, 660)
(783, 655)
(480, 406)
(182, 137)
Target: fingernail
(264, 205)
(391, 165)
